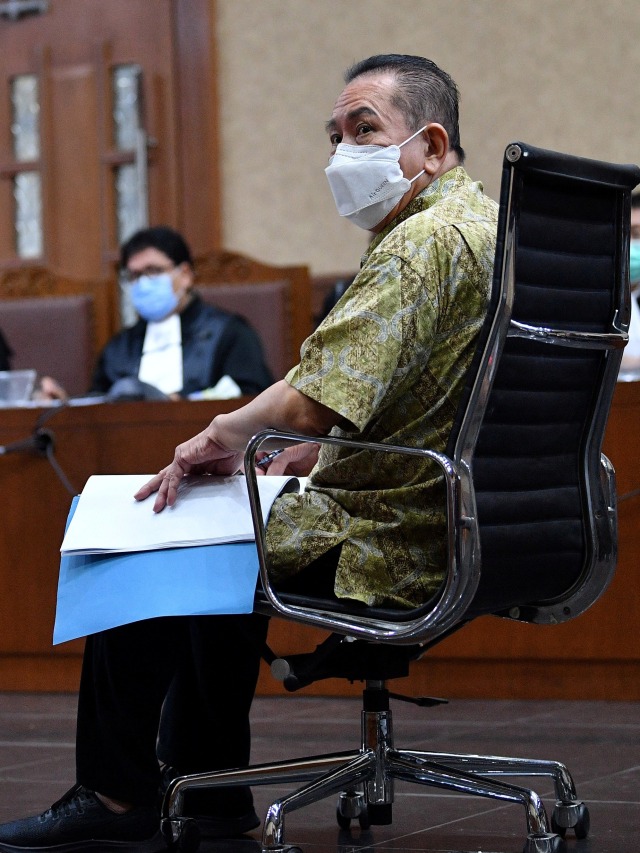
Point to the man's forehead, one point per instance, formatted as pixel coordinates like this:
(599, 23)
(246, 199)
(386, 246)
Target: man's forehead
(367, 95)
(147, 256)
(350, 116)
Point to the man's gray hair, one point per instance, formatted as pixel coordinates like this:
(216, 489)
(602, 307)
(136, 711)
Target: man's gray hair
(425, 92)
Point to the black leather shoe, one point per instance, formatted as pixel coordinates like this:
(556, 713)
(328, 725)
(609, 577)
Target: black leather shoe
(78, 821)
(219, 812)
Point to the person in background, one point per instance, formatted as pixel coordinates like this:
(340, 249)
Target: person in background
(388, 364)
(631, 354)
(635, 238)
(180, 345)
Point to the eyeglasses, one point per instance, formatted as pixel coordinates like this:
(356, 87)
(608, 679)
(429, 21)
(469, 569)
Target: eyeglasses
(130, 276)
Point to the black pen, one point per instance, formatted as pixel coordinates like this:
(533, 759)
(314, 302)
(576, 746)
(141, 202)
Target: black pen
(266, 460)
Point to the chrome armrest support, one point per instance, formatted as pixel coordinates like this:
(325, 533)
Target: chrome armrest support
(565, 337)
(462, 571)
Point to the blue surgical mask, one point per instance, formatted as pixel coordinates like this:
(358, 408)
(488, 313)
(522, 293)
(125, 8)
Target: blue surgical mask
(634, 261)
(153, 297)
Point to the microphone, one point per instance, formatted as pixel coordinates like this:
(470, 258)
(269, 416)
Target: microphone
(40, 441)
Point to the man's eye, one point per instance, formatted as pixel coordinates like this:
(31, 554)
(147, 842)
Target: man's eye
(335, 139)
(364, 128)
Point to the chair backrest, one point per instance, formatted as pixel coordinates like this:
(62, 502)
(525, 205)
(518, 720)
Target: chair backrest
(55, 324)
(531, 499)
(276, 301)
(545, 496)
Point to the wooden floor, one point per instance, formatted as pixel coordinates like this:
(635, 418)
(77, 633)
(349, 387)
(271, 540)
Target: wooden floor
(599, 742)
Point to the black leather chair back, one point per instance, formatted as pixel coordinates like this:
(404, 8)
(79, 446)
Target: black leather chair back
(563, 251)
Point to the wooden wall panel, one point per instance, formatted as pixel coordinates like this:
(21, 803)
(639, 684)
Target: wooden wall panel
(74, 170)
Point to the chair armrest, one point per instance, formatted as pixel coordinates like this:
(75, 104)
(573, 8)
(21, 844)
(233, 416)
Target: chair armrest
(422, 624)
(567, 337)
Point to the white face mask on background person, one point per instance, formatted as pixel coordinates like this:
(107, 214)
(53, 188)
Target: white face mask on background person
(367, 181)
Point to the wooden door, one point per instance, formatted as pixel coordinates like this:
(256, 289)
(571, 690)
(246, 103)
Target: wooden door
(106, 115)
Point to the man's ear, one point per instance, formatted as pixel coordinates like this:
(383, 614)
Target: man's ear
(186, 275)
(186, 271)
(437, 144)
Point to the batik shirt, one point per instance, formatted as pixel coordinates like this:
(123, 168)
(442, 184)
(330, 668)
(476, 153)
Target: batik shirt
(391, 358)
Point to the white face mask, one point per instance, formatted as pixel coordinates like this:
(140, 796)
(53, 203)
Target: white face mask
(367, 181)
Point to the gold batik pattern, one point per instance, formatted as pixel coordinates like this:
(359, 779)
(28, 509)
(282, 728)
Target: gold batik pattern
(391, 359)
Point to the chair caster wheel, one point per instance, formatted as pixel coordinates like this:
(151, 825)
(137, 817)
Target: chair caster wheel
(344, 822)
(571, 816)
(363, 820)
(181, 834)
(544, 842)
(352, 804)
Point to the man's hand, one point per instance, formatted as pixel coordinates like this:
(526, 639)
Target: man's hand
(49, 389)
(219, 449)
(200, 455)
(297, 460)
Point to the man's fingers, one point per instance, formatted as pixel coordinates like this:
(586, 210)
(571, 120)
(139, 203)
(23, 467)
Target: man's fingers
(149, 488)
(168, 491)
(193, 457)
(297, 459)
(165, 483)
(278, 465)
(161, 501)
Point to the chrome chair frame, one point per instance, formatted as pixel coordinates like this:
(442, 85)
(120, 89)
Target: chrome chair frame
(374, 766)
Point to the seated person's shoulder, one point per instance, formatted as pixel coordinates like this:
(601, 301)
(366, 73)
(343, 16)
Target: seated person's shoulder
(124, 339)
(459, 218)
(228, 322)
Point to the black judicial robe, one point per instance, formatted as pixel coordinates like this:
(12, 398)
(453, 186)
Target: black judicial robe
(215, 343)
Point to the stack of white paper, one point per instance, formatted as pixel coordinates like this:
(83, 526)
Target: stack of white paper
(209, 511)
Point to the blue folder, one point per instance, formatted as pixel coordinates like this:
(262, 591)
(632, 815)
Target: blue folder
(102, 591)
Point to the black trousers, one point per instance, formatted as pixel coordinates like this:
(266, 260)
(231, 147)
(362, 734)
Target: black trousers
(178, 689)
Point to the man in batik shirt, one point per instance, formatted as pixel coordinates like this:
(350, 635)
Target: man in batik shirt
(388, 363)
(391, 359)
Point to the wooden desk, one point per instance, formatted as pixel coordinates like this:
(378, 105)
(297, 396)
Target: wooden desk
(596, 656)
(118, 438)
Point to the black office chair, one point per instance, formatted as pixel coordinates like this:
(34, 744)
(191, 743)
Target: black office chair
(531, 505)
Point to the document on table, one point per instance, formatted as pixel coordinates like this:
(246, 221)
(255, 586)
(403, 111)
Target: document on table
(98, 591)
(209, 510)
